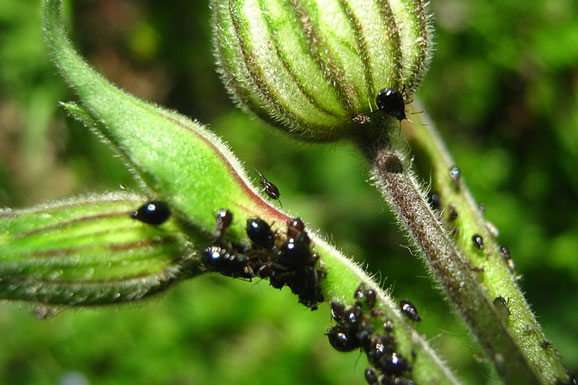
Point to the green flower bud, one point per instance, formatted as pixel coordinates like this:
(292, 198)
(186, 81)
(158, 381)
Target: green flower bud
(314, 67)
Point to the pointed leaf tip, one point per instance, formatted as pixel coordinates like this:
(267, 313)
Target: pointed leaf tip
(178, 160)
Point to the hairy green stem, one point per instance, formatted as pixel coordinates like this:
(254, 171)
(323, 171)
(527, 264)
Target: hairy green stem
(494, 270)
(344, 277)
(451, 270)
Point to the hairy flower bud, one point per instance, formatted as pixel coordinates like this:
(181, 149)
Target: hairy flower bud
(315, 67)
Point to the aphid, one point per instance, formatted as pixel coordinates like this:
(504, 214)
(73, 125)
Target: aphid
(545, 344)
(435, 201)
(152, 213)
(390, 102)
(260, 233)
(364, 338)
(294, 227)
(360, 292)
(295, 252)
(341, 341)
(276, 279)
(452, 213)
(508, 257)
(369, 295)
(394, 363)
(501, 306)
(378, 349)
(337, 311)
(409, 310)
(224, 220)
(478, 241)
(455, 173)
(268, 187)
(371, 298)
(42, 312)
(388, 325)
(218, 259)
(352, 317)
(371, 377)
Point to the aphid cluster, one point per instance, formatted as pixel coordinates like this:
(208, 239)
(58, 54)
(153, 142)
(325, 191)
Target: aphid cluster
(354, 330)
(286, 260)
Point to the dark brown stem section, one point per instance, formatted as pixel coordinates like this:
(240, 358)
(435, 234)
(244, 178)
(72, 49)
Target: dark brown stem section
(450, 270)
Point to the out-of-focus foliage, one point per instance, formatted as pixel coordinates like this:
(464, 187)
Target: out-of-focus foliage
(503, 89)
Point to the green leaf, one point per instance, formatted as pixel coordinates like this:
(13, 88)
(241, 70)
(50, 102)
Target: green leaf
(177, 159)
(89, 251)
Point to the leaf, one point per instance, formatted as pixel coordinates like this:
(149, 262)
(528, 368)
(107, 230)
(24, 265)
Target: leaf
(89, 251)
(177, 159)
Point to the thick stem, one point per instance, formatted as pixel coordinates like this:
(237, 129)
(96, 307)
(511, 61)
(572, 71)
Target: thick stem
(453, 273)
(495, 268)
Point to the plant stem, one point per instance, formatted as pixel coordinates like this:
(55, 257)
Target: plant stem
(452, 270)
(344, 277)
(496, 274)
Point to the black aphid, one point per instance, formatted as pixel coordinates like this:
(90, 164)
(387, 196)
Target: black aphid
(268, 187)
(545, 344)
(388, 325)
(371, 377)
(295, 252)
(353, 317)
(502, 308)
(394, 363)
(435, 201)
(224, 220)
(152, 213)
(371, 298)
(478, 241)
(337, 311)
(294, 227)
(452, 213)
(341, 341)
(260, 233)
(220, 260)
(369, 295)
(508, 257)
(390, 102)
(409, 310)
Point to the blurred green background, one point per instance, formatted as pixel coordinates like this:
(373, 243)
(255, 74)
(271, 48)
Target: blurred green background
(503, 89)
